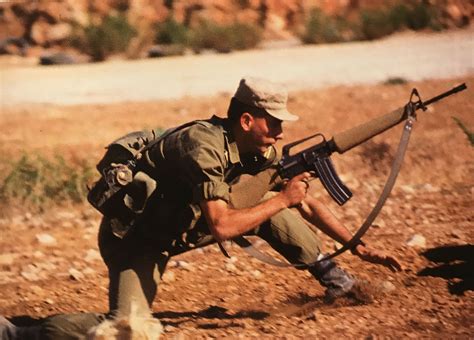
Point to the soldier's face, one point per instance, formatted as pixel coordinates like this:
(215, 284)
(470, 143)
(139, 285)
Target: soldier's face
(264, 131)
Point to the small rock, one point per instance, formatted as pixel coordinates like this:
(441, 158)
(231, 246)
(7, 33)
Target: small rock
(31, 273)
(456, 234)
(49, 301)
(408, 189)
(46, 239)
(230, 267)
(258, 274)
(232, 259)
(38, 254)
(168, 328)
(168, 277)
(7, 259)
(92, 255)
(89, 271)
(417, 240)
(185, 265)
(75, 274)
(387, 287)
(312, 316)
(37, 290)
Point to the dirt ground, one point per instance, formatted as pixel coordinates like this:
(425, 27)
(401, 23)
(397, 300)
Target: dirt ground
(205, 295)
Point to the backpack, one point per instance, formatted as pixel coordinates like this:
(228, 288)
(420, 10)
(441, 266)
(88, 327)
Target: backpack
(122, 190)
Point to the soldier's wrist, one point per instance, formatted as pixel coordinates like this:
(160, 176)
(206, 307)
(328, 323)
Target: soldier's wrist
(356, 249)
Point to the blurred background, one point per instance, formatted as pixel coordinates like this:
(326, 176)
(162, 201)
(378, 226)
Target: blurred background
(71, 31)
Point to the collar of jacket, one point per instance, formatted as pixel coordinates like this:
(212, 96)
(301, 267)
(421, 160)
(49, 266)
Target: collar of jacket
(232, 150)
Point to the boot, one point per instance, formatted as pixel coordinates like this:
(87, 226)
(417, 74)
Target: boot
(338, 283)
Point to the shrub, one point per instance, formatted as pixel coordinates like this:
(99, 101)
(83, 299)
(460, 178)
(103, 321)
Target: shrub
(423, 16)
(398, 16)
(38, 181)
(111, 36)
(395, 81)
(225, 38)
(375, 24)
(320, 28)
(172, 32)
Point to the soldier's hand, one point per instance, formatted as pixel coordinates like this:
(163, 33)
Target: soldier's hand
(294, 191)
(378, 257)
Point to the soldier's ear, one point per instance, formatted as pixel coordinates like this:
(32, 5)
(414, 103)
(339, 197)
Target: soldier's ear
(246, 121)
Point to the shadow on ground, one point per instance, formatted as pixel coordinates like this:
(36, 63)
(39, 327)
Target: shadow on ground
(212, 312)
(454, 263)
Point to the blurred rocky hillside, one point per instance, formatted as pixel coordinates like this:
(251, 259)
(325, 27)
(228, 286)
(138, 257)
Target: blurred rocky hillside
(32, 28)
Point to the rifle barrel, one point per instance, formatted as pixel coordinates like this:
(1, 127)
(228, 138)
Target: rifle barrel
(456, 89)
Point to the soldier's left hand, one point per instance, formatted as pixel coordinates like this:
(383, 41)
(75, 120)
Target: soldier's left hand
(378, 257)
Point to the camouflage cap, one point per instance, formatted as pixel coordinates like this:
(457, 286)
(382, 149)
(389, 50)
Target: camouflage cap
(264, 94)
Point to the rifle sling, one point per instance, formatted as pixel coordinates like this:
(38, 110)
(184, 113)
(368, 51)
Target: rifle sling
(247, 246)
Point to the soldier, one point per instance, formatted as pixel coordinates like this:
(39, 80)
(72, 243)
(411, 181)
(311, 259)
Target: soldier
(195, 168)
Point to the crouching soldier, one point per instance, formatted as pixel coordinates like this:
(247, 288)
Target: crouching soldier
(193, 203)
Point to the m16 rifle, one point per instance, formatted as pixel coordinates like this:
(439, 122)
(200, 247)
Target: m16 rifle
(316, 159)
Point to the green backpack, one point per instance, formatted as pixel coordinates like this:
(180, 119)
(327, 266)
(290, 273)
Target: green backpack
(122, 190)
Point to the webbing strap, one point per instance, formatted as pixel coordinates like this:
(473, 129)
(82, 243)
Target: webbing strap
(396, 165)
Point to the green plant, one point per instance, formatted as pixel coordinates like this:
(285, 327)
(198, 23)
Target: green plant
(320, 28)
(375, 24)
(398, 16)
(420, 17)
(39, 181)
(172, 32)
(416, 17)
(111, 36)
(225, 38)
(395, 81)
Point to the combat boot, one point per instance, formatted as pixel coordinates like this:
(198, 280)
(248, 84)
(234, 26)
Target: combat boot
(340, 284)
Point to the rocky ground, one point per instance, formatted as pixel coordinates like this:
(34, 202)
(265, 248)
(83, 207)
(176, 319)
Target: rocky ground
(49, 262)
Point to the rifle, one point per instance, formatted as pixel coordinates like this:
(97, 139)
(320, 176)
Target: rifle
(316, 158)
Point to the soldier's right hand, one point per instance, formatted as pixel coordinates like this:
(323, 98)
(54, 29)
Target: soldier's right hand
(294, 191)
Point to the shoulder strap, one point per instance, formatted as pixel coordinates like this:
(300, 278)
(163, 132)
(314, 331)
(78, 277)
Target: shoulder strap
(163, 136)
